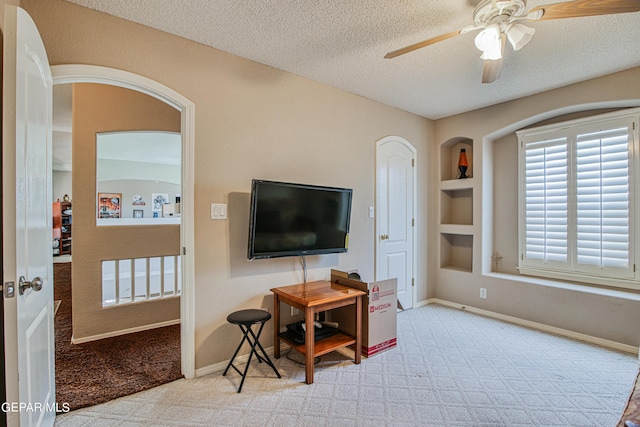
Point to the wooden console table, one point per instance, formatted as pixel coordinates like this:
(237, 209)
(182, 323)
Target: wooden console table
(312, 298)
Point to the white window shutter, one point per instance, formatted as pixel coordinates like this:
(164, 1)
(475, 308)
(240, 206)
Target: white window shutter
(577, 205)
(546, 199)
(603, 202)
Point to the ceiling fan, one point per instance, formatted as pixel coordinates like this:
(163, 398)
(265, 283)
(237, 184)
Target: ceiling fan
(499, 21)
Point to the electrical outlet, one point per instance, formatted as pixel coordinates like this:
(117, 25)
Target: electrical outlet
(483, 293)
(294, 311)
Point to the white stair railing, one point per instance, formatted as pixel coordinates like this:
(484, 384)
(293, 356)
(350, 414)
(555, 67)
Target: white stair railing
(128, 281)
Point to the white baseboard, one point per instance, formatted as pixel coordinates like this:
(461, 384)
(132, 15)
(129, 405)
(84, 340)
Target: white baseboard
(539, 326)
(124, 331)
(220, 366)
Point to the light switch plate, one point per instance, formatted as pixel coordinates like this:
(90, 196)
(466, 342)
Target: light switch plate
(218, 211)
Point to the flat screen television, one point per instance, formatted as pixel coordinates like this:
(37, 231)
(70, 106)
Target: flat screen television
(290, 219)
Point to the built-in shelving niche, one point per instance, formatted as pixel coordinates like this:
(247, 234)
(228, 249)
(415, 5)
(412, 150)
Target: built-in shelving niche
(456, 207)
(456, 251)
(449, 154)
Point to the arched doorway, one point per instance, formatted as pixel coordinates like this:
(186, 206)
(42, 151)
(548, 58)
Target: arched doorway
(64, 74)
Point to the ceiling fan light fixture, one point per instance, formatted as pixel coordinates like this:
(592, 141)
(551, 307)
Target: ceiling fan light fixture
(498, 20)
(488, 41)
(519, 35)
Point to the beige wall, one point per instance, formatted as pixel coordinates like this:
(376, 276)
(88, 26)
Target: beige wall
(582, 309)
(252, 121)
(102, 108)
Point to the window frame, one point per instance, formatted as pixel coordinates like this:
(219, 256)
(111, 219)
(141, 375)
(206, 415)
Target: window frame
(628, 277)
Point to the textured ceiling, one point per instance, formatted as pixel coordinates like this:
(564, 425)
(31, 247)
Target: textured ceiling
(342, 44)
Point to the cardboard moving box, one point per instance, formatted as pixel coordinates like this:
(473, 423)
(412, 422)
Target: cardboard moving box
(379, 313)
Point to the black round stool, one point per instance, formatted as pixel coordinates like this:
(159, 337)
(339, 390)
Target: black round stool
(245, 319)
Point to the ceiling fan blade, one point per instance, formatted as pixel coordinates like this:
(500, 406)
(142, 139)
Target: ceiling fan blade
(581, 8)
(491, 70)
(422, 44)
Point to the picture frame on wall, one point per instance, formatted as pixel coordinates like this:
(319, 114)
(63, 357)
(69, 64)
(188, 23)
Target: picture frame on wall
(138, 200)
(109, 205)
(159, 199)
(138, 213)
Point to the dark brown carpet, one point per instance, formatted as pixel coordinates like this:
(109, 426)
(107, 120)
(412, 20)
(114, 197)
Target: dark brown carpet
(96, 372)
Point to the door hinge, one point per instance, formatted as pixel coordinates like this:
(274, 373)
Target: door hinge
(413, 222)
(184, 250)
(413, 163)
(413, 281)
(634, 268)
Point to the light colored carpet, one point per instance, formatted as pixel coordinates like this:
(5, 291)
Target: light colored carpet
(451, 368)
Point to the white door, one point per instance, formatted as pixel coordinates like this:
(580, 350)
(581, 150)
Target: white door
(395, 181)
(27, 253)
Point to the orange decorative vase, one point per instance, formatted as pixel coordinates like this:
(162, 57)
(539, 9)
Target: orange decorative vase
(463, 164)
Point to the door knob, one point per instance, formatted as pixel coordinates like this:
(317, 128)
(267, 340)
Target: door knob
(35, 284)
(384, 237)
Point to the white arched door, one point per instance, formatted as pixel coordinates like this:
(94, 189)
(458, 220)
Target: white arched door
(395, 224)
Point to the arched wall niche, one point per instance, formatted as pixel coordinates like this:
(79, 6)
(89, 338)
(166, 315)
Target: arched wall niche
(449, 151)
